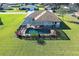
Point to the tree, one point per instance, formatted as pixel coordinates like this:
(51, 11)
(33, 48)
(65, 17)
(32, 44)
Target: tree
(1, 23)
(62, 11)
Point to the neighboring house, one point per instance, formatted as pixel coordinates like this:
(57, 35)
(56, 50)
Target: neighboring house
(76, 14)
(40, 23)
(14, 4)
(1, 6)
(48, 7)
(28, 7)
(52, 6)
(5, 6)
(73, 7)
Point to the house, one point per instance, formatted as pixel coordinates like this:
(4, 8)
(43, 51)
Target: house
(5, 6)
(41, 23)
(1, 6)
(48, 7)
(73, 7)
(52, 6)
(28, 7)
(76, 14)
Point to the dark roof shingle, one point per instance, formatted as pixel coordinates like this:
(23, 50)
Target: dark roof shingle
(47, 16)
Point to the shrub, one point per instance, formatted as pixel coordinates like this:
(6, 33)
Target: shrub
(40, 41)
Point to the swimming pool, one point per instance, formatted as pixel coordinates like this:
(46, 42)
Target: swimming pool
(37, 31)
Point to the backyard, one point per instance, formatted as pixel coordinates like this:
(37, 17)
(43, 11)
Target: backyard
(11, 45)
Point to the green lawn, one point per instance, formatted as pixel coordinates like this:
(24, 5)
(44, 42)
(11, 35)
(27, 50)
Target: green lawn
(14, 10)
(10, 45)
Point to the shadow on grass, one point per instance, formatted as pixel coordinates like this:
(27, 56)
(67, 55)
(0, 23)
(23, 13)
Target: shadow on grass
(2, 11)
(63, 26)
(1, 23)
(41, 41)
(61, 35)
(75, 22)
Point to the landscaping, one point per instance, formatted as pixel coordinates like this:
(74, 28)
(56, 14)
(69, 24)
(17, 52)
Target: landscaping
(11, 45)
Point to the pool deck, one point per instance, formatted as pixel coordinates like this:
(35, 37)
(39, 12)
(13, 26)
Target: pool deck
(52, 34)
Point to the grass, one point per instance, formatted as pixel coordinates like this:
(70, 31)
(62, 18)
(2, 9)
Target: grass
(10, 45)
(14, 10)
(41, 8)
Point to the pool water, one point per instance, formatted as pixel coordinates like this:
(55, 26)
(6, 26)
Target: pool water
(37, 31)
